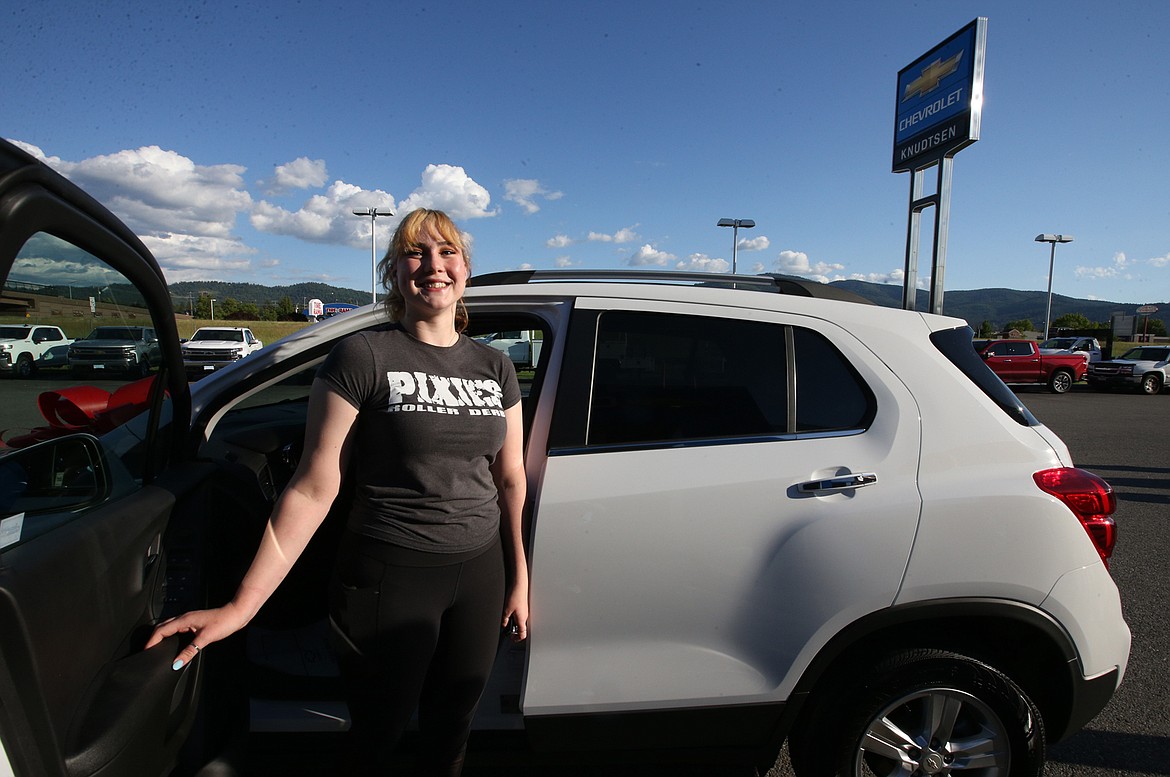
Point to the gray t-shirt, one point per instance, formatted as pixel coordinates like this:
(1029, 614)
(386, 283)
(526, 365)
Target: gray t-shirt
(430, 423)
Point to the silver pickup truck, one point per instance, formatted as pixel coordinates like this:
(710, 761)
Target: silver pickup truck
(1146, 367)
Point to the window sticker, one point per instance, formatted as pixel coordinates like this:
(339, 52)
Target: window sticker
(10, 530)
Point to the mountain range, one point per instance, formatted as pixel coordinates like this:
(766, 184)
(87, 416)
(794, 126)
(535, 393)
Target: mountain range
(998, 306)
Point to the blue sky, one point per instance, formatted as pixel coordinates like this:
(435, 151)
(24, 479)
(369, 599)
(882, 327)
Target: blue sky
(237, 138)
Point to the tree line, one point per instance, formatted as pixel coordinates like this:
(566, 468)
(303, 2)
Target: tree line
(1074, 321)
(230, 309)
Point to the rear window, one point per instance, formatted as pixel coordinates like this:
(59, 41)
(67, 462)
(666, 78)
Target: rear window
(955, 344)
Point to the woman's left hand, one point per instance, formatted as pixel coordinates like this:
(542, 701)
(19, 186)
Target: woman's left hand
(516, 614)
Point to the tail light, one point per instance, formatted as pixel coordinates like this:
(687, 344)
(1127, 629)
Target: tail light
(1090, 498)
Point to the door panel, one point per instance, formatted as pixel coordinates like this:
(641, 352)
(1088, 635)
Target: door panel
(82, 566)
(694, 571)
(76, 605)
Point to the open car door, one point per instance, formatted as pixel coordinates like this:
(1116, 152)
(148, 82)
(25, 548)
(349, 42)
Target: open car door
(82, 517)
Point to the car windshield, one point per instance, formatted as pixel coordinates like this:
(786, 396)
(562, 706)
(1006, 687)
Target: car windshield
(1058, 343)
(234, 335)
(113, 333)
(1147, 354)
(13, 332)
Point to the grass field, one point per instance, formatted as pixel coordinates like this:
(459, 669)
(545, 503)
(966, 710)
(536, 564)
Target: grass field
(79, 326)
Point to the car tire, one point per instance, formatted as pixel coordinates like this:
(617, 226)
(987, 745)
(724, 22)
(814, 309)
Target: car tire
(1060, 382)
(879, 722)
(1151, 384)
(24, 366)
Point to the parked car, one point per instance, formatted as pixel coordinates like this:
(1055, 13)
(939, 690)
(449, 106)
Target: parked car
(1088, 345)
(1021, 361)
(1146, 367)
(25, 348)
(117, 348)
(753, 516)
(522, 347)
(212, 347)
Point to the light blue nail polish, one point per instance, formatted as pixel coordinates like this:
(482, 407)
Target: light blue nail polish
(177, 665)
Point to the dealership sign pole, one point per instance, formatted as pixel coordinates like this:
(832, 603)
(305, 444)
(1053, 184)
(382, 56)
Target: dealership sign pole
(939, 107)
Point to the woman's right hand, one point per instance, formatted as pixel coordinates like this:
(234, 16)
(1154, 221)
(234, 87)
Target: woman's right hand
(205, 626)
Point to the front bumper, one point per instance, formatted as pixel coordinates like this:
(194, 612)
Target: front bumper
(1128, 381)
(204, 366)
(124, 363)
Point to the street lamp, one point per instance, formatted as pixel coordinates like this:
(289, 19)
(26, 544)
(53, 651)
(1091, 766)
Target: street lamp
(735, 224)
(1053, 239)
(212, 308)
(373, 213)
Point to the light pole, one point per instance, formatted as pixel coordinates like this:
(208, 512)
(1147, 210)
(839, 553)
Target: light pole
(735, 224)
(212, 308)
(373, 213)
(1053, 239)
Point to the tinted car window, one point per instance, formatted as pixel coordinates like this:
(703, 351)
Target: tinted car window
(830, 395)
(660, 378)
(663, 377)
(54, 284)
(955, 344)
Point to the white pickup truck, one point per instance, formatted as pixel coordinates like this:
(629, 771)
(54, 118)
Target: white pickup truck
(25, 348)
(212, 347)
(522, 347)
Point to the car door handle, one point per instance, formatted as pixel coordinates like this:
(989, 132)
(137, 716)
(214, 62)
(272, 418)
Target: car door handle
(840, 483)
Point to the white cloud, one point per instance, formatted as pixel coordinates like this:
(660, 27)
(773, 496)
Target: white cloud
(157, 191)
(893, 276)
(328, 218)
(797, 263)
(703, 263)
(648, 255)
(301, 173)
(559, 241)
(525, 191)
(760, 243)
(563, 262)
(1160, 261)
(187, 213)
(449, 188)
(184, 212)
(1117, 269)
(624, 235)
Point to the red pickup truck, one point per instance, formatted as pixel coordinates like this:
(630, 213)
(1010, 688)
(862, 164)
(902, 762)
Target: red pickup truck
(1020, 361)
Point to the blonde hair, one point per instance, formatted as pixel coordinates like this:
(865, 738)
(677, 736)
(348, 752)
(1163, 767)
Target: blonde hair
(410, 230)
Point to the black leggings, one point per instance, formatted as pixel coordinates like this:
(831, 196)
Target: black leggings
(417, 630)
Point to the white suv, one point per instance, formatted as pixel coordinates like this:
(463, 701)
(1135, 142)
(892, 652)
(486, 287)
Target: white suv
(754, 515)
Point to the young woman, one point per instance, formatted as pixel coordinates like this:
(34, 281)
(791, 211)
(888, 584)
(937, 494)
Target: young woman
(428, 424)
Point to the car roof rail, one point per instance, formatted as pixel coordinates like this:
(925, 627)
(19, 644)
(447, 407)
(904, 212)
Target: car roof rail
(769, 282)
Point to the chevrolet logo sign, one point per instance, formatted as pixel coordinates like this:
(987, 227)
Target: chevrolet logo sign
(931, 75)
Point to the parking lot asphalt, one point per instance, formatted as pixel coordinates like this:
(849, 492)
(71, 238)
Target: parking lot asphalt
(1125, 438)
